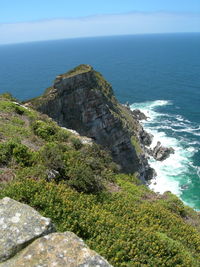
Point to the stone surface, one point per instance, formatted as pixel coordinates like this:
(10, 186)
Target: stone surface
(57, 249)
(139, 115)
(161, 153)
(145, 138)
(19, 225)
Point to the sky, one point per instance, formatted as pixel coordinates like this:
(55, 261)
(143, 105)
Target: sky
(36, 20)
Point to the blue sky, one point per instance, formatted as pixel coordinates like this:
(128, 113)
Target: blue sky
(28, 20)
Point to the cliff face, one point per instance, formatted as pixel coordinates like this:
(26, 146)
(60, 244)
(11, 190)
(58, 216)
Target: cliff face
(82, 100)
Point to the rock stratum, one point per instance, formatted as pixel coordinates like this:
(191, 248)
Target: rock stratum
(83, 100)
(28, 239)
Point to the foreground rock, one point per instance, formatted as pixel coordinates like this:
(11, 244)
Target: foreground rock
(57, 249)
(26, 240)
(160, 152)
(19, 225)
(83, 100)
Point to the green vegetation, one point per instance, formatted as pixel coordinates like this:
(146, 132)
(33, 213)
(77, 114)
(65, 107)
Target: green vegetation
(78, 70)
(124, 227)
(136, 144)
(79, 187)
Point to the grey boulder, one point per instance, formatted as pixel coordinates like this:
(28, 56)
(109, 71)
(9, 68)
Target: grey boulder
(19, 225)
(57, 249)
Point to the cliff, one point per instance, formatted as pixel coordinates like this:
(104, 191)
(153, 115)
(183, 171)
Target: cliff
(83, 100)
(71, 180)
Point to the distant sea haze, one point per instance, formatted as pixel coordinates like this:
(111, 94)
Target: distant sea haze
(160, 74)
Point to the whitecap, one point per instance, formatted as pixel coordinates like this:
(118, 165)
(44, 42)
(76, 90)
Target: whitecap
(174, 171)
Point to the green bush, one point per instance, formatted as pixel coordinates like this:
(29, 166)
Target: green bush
(87, 169)
(45, 130)
(62, 135)
(80, 175)
(76, 142)
(7, 96)
(18, 152)
(19, 110)
(52, 156)
(82, 171)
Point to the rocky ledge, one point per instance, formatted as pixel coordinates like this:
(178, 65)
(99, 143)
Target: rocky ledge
(28, 240)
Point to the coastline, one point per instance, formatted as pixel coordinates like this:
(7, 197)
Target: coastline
(174, 173)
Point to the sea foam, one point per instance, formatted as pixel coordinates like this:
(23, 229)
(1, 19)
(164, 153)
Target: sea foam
(174, 173)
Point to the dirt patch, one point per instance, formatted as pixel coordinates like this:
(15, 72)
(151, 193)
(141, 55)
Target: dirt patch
(6, 175)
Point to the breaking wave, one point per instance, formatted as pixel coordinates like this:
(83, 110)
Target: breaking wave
(179, 173)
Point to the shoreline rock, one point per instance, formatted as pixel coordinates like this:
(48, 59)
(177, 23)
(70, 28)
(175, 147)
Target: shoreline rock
(160, 152)
(139, 115)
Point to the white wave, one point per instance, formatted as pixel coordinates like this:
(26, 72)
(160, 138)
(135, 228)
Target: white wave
(180, 118)
(148, 108)
(194, 143)
(188, 130)
(172, 172)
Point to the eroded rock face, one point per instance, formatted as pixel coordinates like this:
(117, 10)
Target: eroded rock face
(139, 115)
(19, 225)
(57, 249)
(145, 138)
(83, 101)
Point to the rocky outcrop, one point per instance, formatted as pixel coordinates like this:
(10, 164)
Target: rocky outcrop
(26, 239)
(83, 101)
(139, 115)
(160, 152)
(19, 225)
(144, 137)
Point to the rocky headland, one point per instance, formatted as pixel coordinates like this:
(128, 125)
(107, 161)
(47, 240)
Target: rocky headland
(83, 100)
(77, 156)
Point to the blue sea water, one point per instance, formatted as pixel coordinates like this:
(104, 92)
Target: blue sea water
(160, 74)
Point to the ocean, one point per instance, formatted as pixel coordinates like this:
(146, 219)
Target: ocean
(159, 74)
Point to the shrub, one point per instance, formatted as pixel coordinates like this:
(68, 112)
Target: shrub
(52, 156)
(126, 232)
(76, 142)
(19, 110)
(62, 135)
(7, 96)
(81, 177)
(46, 130)
(14, 150)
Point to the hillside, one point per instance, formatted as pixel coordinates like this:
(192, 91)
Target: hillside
(74, 181)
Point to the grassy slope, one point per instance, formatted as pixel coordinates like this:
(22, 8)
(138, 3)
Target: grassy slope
(124, 221)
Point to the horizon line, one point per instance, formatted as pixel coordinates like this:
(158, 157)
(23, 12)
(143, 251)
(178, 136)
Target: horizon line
(98, 36)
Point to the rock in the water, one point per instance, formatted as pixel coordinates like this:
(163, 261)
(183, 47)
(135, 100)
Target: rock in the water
(19, 225)
(57, 249)
(161, 153)
(139, 115)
